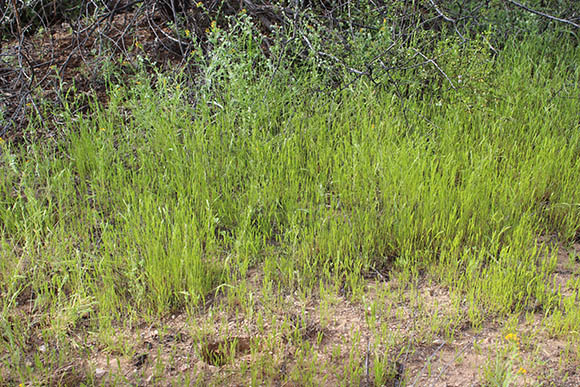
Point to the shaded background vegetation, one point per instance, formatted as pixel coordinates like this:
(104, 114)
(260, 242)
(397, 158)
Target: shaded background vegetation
(52, 47)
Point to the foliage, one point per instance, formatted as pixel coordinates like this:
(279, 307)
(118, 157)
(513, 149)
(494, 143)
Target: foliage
(443, 158)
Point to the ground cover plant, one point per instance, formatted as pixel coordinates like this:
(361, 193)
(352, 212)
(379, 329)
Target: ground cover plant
(246, 226)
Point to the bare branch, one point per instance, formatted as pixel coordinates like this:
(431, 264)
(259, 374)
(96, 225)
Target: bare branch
(539, 13)
(429, 60)
(445, 17)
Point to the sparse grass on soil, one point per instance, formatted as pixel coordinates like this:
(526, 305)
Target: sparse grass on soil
(280, 236)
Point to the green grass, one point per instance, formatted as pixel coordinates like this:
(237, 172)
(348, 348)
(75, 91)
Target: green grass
(153, 206)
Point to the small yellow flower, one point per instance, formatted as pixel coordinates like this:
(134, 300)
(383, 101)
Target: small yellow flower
(138, 45)
(512, 337)
(199, 4)
(206, 30)
(2, 141)
(138, 82)
(213, 24)
(522, 371)
(102, 129)
(243, 10)
(187, 33)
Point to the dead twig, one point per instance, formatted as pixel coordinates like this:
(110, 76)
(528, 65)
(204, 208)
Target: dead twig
(426, 364)
(465, 347)
(543, 14)
(17, 17)
(429, 60)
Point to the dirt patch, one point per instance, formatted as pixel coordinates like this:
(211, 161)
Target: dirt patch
(416, 332)
(216, 353)
(566, 274)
